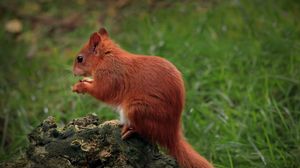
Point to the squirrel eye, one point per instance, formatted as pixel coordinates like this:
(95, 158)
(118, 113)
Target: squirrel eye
(79, 59)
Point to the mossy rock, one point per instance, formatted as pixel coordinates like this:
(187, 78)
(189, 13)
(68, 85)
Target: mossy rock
(85, 142)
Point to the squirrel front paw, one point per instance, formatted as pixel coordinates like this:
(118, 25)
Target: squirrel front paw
(80, 87)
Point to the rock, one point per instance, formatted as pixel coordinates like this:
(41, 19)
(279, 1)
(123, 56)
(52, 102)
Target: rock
(85, 142)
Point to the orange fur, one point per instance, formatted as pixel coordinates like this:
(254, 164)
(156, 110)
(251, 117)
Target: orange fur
(149, 89)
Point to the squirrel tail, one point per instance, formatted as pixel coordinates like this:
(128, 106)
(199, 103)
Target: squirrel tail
(186, 156)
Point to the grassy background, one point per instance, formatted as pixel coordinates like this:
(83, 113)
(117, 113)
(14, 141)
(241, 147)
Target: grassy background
(240, 60)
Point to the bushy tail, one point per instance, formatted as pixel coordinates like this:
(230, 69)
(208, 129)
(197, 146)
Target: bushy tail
(186, 156)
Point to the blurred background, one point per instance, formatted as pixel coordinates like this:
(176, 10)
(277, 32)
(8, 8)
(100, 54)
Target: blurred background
(240, 60)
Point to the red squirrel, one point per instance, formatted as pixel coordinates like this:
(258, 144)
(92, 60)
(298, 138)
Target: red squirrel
(148, 92)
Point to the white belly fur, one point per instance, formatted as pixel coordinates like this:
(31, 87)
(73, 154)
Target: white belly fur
(123, 118)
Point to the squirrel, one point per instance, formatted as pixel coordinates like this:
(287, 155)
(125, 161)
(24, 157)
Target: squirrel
(148, 92)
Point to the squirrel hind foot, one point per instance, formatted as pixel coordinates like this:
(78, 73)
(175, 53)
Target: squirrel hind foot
(127, 132)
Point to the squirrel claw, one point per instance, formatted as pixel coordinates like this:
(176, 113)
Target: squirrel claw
(127, 131)
(127, 134)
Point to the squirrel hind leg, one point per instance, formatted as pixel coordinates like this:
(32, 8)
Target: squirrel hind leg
(152, 123)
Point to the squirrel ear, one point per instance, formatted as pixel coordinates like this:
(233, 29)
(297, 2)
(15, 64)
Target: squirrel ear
(94, 41)
(102, 31)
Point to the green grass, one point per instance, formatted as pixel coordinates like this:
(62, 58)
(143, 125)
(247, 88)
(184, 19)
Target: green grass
(240, 61)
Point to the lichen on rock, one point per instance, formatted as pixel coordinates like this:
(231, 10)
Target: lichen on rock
(86, 142)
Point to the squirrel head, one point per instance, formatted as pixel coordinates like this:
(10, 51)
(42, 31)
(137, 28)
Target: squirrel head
(91, 54)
